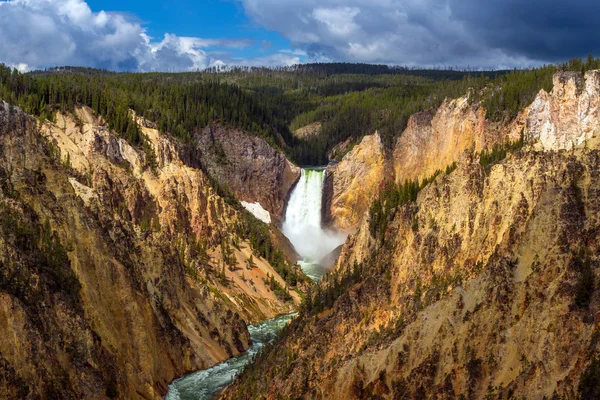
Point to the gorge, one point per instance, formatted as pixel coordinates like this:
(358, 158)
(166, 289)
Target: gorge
(206, 384)
(157, 232)
(302, 226)
(473, 276)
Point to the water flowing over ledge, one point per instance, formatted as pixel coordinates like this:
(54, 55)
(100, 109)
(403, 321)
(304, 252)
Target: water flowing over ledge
(302, 224)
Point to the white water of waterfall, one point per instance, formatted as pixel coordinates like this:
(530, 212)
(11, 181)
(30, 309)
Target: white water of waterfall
(302, 224)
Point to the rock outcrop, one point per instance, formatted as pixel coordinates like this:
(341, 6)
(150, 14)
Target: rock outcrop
(248, 166)
(567, 117)
(351, 185)
(120, 269)
(309, 130)
(485, 287)
(432, 140)
(435, 138)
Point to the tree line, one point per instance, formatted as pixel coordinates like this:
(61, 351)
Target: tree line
(349, 100)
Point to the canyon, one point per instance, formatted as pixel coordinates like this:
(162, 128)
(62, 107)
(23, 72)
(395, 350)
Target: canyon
(122, 268)
(482, 287)
(458, 260)
(302, 226)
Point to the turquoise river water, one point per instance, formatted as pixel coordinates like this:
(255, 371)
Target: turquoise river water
(302, 225)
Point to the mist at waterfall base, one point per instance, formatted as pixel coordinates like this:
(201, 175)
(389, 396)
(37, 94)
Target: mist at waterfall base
(302, 224)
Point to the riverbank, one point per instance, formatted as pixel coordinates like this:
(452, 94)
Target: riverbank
(303, 227)
(205, 384)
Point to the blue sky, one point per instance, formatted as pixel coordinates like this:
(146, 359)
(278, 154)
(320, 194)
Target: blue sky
(160, 35)
(206, 18)
(212, 19)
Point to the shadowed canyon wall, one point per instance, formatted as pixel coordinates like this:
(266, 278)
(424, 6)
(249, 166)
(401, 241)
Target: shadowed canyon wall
(248, 165)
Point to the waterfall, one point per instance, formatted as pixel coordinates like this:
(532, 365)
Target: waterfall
(302, 224)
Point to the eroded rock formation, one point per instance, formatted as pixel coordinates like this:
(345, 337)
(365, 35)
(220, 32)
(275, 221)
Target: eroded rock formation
(351, 184)
(117, 274)
(567, 117)
(248, 166)
(483, 287)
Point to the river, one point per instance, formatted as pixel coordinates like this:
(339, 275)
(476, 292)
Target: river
(205, 384)
(302, 226)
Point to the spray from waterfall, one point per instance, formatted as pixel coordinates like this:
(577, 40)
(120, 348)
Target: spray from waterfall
(302, 224)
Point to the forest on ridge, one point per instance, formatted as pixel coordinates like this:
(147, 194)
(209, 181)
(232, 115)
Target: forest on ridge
(349, 100)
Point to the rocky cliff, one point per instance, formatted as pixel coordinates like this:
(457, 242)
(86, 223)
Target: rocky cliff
(120, 268)
(567, 117)
(248, 166)
(432, 140)
(484, 287)
(351, 184)
(435, 139)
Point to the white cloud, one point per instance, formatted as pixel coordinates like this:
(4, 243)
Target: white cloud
(339, 21)
(497, 33)
(40, 33)
(287, 58)
(296, 52)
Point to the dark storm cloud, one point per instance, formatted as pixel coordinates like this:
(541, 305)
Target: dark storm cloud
(491, 33)
(550, 30)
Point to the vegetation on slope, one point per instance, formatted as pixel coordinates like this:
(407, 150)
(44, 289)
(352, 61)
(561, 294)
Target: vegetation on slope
(271, 105)
(42, 257)
(257, 233)
(388, 303)
(351, 100)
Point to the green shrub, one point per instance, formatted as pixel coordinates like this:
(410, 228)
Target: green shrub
(584, 288)
(489, 158)
(589, 385)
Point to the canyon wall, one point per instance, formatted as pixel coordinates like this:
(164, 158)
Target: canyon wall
(432, 141)
(567, 117)
(248, 166)
(121, 269)
(351, 184)
(484, 287)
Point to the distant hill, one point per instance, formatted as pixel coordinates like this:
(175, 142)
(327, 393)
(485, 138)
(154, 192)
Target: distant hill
(329, 69)
(86, 71)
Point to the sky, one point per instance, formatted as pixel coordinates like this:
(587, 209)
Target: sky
(187, 35)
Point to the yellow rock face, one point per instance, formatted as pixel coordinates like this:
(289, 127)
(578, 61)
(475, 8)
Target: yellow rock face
(151, 306)
(491, 240)
(432, 140)
(435, 139)
(172, 185)
(476, 288)
(352, 184)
